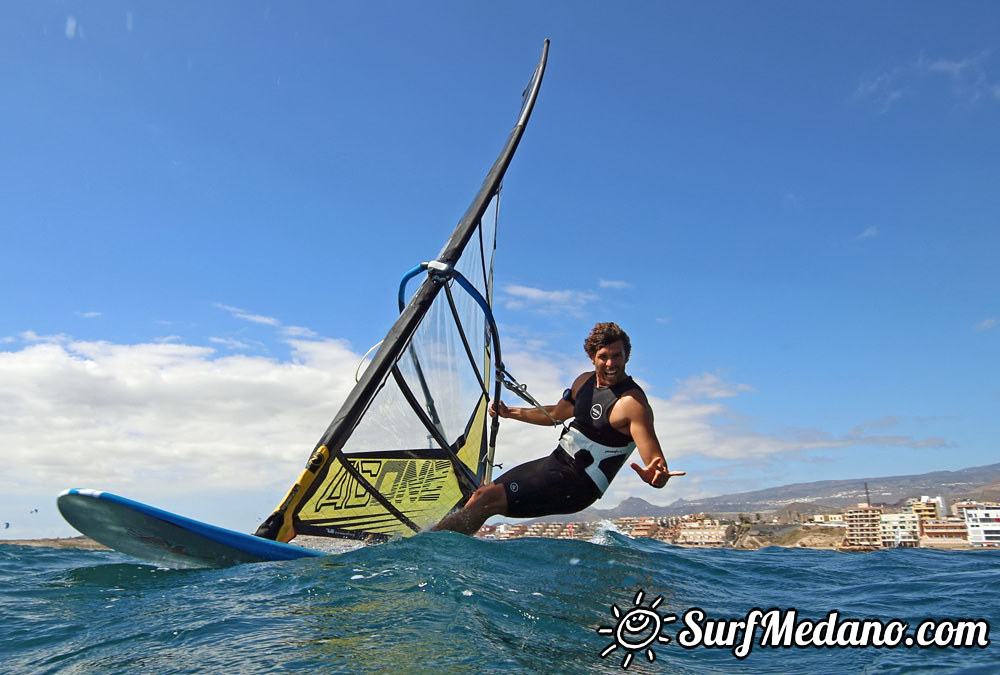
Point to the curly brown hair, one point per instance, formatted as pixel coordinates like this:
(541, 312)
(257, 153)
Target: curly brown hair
(603, 335)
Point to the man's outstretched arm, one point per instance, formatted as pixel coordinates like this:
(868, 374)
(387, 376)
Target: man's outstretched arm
(656, 472)
(559, 411)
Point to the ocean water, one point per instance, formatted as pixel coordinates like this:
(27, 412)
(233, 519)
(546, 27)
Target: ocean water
(441, 602)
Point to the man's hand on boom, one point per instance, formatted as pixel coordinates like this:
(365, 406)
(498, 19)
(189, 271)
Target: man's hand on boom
(499, 409)
(656, 473)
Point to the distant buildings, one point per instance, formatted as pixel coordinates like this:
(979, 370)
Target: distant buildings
(539, 529)
(926, 507)
(644, 527)
(899, 530)
(921, 522)
(704, 532)
(958, 508)
(984, 526)
(944, 533)
(864, 526)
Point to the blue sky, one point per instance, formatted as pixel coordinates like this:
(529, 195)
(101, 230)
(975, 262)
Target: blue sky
(206, 209)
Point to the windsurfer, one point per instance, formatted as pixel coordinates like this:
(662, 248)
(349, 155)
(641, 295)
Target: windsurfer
(612, 417)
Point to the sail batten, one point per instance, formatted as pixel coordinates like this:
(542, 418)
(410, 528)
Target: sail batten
(368, 476)
(462, 472)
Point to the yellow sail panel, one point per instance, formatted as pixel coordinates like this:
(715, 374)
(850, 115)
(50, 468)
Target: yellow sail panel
(407, 490)
(473, 446)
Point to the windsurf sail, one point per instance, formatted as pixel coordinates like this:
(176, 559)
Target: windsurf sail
(413, 439)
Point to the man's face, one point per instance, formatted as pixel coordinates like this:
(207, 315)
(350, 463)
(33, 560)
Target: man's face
(609, 362)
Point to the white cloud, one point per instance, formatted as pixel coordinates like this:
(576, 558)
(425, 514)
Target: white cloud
(882, 89)
(709, 386)
(881, 423)
(299, 331)
(89, 315)
(545, 302)
(96, 414)
(969, 77)
(229, 343)
(32, 336)
(869, 233)
(953, 68)
(286, 331)
(247, 316)
(966, 80)
(617, 285)
(987, 324)
(539, 295)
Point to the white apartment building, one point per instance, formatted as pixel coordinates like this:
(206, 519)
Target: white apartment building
(983, 523)
(900, 530)
(958, 508)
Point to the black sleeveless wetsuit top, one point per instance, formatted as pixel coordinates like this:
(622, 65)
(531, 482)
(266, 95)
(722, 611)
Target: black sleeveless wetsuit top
(592, 409)
(608, 447)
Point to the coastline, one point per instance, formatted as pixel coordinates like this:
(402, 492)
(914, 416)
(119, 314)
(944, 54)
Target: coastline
(86, 544)
(802, 540)
(78, 542)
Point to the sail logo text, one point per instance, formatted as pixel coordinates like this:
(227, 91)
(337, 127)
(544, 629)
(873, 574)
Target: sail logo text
(777, 628)
(399, 481)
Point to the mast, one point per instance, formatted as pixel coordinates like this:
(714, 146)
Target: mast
(402, 330)
(331, 444)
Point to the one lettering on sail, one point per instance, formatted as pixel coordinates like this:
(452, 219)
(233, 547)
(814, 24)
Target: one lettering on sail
(401, 481)
(784, 628)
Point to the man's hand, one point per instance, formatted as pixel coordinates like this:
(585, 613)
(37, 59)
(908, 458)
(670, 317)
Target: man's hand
(499, 410)
(656, 473)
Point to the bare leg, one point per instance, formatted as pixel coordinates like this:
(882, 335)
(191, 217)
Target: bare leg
(489, 500)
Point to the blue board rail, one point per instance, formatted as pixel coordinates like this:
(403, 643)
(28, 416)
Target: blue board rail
(166, 538)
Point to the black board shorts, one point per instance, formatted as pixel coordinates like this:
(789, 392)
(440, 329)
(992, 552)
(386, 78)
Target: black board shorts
(548, 486)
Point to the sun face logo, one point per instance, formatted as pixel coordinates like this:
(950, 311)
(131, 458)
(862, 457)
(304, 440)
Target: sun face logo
(637, 629)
